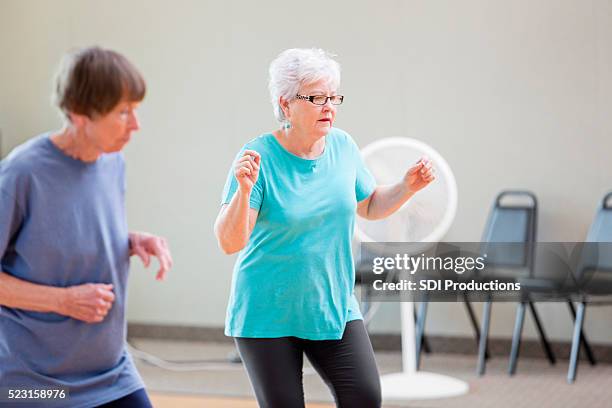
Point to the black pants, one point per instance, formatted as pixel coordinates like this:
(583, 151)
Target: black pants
(347, 366)
(137, 399)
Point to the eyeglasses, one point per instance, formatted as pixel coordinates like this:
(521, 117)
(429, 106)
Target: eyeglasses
(322, 99)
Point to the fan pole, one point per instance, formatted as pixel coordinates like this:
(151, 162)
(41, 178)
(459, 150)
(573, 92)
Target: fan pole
(411, 384)
(409, 364)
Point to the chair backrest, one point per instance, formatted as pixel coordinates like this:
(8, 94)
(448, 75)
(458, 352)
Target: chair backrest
(596, 259)
(601, 228)
(513, 219)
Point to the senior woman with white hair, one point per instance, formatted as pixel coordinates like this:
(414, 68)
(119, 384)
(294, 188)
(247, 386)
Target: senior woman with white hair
(289, 207)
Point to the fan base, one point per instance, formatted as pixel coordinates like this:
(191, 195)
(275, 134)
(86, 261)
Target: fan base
(421, 385)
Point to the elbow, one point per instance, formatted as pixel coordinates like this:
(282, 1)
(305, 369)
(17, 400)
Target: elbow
(370, 217)
(228, 247)
(363, 214)
(366, 214)
(228, 243)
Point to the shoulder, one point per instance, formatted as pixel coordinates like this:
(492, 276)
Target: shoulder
(263, 144)
(260, 143)
(22, 161)
(341, 136)
(22, 154)
(342, 139)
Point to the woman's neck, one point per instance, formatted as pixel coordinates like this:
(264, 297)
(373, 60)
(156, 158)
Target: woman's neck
(75, 144)
(300, 144)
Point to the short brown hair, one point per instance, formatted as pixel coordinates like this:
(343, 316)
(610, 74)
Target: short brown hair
(94, 80)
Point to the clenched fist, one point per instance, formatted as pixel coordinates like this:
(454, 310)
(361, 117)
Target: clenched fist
(89, 302)
(246, 170)
(419, 175)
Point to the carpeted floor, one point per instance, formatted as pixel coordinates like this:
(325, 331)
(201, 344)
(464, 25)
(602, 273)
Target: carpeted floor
(536, 384)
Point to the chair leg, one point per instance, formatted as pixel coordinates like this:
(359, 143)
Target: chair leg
(545, 343)
(516, 337)
(583, 339)
(424, 342)
(575, 353)
(420, 329)
(474, 321)
(484, 336)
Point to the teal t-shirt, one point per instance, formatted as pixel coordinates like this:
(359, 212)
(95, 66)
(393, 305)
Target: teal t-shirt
(296, 276)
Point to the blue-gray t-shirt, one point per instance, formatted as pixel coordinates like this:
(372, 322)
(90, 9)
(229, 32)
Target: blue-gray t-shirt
(62, 223)
(295, 276)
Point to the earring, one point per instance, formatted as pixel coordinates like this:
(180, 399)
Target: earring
(287, 125)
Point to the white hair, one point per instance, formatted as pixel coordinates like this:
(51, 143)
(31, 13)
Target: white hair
(298, 66)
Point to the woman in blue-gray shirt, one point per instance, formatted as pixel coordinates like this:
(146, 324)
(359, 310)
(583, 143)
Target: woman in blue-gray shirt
(289, 207)
(65, 246)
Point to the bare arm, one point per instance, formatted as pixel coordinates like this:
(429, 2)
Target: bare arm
(235, 224)
(89, 302)
(19, 294)
(236, 220)
(385, 200)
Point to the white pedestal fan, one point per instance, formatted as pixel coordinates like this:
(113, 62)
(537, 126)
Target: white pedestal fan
(426, 217)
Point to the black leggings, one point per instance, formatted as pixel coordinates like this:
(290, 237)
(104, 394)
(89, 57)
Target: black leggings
(347, 366)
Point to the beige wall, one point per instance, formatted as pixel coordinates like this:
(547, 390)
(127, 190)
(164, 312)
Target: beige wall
(513, 93)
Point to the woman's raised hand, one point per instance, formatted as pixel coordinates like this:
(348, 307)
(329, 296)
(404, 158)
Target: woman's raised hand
(419, 175)
(246, 170)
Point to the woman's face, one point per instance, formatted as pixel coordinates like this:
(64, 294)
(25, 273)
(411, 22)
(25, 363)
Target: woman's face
(112, 131)
(308, 118)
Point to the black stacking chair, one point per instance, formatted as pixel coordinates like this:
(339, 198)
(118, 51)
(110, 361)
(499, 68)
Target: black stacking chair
(511, 223)
(593, 277)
